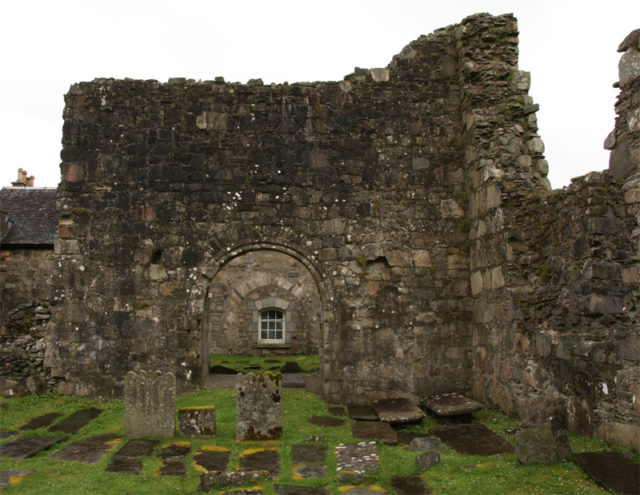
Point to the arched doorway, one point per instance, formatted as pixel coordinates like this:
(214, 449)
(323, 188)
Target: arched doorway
(267, 298)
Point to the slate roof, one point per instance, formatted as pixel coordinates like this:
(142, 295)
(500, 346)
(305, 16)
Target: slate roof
(33, 214)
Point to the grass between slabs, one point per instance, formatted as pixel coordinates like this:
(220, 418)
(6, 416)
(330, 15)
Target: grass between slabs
(457, 473)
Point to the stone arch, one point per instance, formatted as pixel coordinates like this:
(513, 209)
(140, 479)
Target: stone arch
(327, 315)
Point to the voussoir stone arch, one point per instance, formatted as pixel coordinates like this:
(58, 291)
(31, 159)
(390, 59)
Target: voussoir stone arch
(212, 267)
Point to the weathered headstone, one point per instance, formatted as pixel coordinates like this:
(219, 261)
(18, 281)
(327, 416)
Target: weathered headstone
(542, 444)
(426, 444)
(197, 422)
(149, 404)
(258, 407)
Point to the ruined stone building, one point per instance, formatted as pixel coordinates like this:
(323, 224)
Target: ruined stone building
(399, 222)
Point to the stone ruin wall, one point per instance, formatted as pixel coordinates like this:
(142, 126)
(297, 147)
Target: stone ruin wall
(26, 299)
(568, 343)
(416, 198)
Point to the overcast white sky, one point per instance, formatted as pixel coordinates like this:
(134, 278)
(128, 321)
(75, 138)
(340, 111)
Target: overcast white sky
(46, 45)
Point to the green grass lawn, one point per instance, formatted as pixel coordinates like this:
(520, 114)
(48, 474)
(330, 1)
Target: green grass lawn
(457, 474)
(307, 363)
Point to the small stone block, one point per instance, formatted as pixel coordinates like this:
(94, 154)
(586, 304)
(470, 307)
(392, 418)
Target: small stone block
(451, 404)
(426, 444)
(427, 459)
(197, 422)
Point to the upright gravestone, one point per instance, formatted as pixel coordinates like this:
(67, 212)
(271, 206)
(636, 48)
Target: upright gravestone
(259, 406)
(149, 404)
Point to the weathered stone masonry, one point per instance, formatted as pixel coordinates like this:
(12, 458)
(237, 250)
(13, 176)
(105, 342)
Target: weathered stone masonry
(409, 209)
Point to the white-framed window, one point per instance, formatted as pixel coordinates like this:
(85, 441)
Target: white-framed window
(271, 326)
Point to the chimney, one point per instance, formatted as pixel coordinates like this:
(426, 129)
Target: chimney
(30, 180)
(22, 179)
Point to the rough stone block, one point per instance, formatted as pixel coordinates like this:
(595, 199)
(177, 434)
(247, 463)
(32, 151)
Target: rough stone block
(259, 407)
(197, 422)
(541, 444)
(427, 459)
(149, 404)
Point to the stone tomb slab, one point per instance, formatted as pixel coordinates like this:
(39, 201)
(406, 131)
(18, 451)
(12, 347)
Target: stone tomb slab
(472, 439)
(129, 458)
(173, 459)
(613, 470)
(326, 421)
(355, 460)
(14, 477)
(309, 471)
(88, 450)
(28, 446)
(212, 458)
(451, 404)
(41, 421)
(304, 454)
(362, 412)
(300, 490)
(221, 479)
(398, 410)
(337, 410)
(71, 424)
(409, 485)
(364, 490)
(292, 380)
(374, 430)
(260, 459)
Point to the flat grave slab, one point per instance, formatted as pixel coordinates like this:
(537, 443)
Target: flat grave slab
(77, 420)
(262, 459)
(88, 450)
(374, 430)
(300, 490)
(309, 471)
(303, 454)
(7, 433)
(397, 410)
(354, 460)
(326, 421)
(473, 439)
(28, 446)
(173, 459)
(41, 421)
(362, 412)
(221, 479)
(14, 477)
(613, 470)
(337, 410)
(364, 490)
(137, 447)
(292, 380)
(451, 404)
(212, 458)
(129, 458)
(409, 485)
(243, 492)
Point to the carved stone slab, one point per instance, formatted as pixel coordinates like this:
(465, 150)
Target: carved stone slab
(397, 410)
(149, 404)
(452, 404)
(355, 460)
(258, 407)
